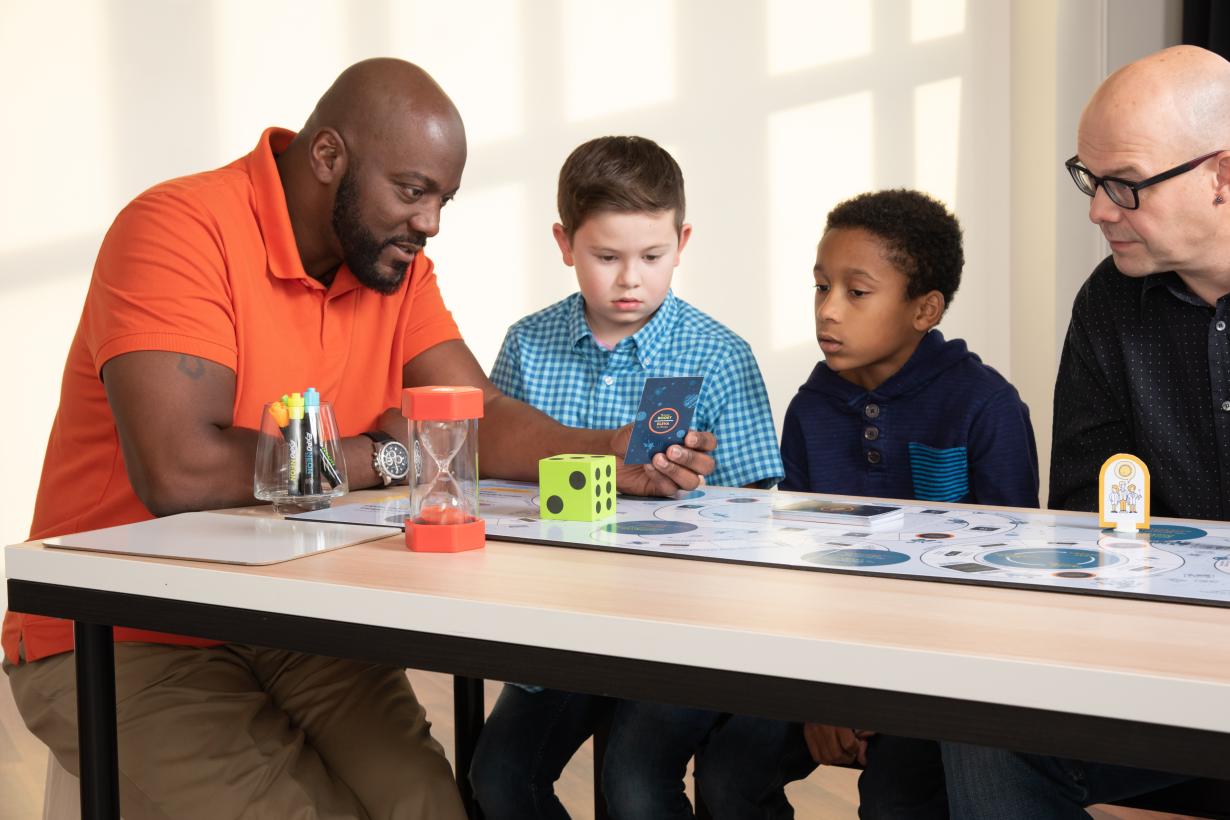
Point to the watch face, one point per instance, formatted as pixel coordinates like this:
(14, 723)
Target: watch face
(394, 459)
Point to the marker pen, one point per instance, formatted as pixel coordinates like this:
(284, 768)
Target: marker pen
(311, 441)
(281, 417)
(294, 406)
(327, 466)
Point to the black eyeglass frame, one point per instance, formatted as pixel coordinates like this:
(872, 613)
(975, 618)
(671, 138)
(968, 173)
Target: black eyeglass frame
(1078, 171)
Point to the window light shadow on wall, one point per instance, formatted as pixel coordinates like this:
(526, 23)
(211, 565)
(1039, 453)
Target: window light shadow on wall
(250, 64)
(932, 19)
(809, 33)
(59, 113)
(482, 67)
(617, 56)
(937, 131)
(818, 154)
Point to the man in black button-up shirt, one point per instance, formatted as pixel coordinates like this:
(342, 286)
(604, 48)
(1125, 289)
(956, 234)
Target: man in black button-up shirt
(1146, 365)
(1145, 370)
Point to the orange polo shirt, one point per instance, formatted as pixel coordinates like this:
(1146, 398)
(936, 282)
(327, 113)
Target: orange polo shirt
(207, 265)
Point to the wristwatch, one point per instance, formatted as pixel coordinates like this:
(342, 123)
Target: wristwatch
(390, 459)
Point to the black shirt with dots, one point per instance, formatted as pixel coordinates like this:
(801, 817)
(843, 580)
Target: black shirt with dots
(1145, 370)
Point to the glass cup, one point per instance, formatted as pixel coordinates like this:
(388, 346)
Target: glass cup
(299, 461)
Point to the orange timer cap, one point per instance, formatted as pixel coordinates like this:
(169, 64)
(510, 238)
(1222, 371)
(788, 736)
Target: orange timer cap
(441, 403)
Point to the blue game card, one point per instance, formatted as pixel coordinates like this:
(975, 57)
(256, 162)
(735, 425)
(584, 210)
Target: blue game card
(664, 416)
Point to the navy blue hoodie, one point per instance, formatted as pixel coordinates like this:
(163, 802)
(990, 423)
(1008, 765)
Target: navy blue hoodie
(944, 428)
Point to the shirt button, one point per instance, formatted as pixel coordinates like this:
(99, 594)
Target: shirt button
(608, 380)
(873, 456)
(1221, 326)
(1225, 405)
(871, 433)
(872, 411)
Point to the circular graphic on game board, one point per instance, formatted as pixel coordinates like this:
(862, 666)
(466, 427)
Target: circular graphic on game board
(1073, 574)
(1173, 532)
(649, 527)
(742, 500)
(1223, 564)
(1052, 558)
(679, 496)
(934, 536)
(856, 558)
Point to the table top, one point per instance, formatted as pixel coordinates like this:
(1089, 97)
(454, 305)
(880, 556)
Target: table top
(1157, 662)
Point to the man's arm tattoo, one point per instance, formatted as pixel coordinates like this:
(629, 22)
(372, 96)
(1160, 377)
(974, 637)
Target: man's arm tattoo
(191, 366)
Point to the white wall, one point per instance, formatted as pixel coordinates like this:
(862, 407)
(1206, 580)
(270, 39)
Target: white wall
(774, 109)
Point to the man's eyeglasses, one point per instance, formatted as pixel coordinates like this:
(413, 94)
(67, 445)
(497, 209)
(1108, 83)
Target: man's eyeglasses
(1124, 192)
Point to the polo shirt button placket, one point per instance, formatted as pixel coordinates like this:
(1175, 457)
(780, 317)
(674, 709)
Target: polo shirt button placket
(872, 411)
(871, 433)
(873, 457)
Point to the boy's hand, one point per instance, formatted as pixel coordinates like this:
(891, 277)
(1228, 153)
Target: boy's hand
(679, 468)
(834, 745)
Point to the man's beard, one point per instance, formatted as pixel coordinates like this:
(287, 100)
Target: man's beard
(360, 248)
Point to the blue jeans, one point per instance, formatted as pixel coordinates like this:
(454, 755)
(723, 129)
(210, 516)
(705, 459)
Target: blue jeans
(995, 783)
(647, 756)
(524, 746)
(749, 761)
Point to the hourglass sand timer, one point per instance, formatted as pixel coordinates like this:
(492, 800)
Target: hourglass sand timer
(443, 425)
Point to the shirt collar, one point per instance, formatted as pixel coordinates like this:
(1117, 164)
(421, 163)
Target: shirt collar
(1174, 284)
(271, 211)
(648, 340)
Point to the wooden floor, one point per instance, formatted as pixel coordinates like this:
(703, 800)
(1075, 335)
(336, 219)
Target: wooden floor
(828, 793)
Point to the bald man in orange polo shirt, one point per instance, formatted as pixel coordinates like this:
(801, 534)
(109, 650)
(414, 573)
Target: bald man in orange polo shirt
(300, 263)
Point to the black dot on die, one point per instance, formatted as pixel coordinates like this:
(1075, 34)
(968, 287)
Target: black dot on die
(608, 486)
(608, 503)
(608, 471)
(577, 479)
(555, 504)
(597, 506)
(597, 474)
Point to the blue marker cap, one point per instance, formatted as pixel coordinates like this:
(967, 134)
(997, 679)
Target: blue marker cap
(311, 398)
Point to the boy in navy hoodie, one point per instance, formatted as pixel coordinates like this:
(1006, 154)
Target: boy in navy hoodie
(894, 411)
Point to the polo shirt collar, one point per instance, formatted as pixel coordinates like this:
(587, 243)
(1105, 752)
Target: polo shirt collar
(271, 211)
(647, 340)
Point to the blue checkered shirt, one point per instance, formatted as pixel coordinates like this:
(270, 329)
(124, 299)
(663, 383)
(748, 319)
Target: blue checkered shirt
(550, 360)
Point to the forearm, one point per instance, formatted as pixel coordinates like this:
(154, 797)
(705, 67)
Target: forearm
(513, 436)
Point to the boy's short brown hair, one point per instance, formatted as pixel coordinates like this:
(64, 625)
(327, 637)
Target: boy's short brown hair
(621, 174)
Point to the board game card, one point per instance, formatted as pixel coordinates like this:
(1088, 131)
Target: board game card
(663, 417)
(837, 512)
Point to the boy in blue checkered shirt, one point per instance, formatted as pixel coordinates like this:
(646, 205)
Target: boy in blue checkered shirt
(584, 361)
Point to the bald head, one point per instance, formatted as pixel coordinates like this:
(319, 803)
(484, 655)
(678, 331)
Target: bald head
(374, 99)
(1179, 96)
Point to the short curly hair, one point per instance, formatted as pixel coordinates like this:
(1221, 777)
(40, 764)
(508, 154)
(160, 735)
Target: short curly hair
(921, 238)
(621, 175)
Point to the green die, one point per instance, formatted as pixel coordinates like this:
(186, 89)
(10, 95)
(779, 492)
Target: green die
(575, 487)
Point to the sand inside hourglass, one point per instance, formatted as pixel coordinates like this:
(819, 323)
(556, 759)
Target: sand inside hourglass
(442, 498)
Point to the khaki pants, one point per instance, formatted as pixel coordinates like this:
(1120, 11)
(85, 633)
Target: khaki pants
(240, 731)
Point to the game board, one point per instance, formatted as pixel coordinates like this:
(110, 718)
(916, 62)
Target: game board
(1186, 562)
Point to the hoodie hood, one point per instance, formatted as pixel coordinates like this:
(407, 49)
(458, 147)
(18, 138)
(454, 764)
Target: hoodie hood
(933, 356)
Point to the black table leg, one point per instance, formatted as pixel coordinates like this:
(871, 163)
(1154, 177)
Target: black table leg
(100, 788)
(467, 723)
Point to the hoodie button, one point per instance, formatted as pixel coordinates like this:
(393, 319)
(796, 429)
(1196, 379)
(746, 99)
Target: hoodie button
(871, 433)
(872, 411)
(873, 456)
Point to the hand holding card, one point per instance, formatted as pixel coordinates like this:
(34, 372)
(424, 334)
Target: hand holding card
(663, 417)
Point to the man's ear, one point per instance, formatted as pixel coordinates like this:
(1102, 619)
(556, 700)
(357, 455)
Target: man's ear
(1223, 176)
(327, 155)
(565, 244)
(930, 311)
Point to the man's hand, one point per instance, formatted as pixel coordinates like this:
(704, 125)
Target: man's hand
(679, 468)
(833, 745)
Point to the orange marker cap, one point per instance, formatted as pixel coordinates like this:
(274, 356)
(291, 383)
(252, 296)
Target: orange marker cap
(280, 414)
